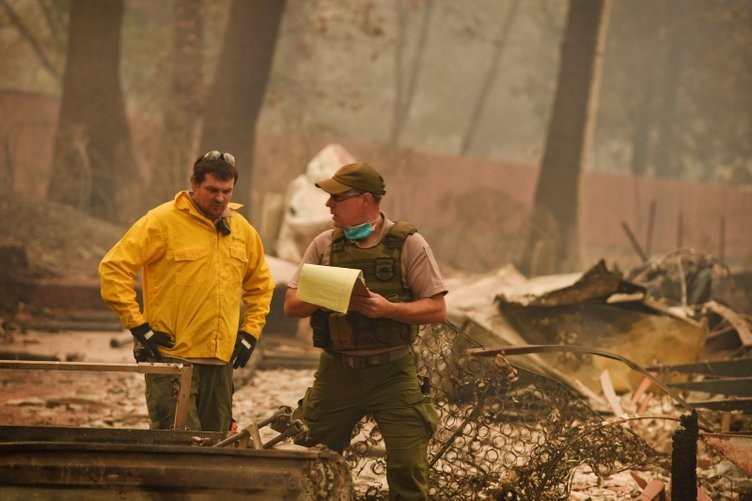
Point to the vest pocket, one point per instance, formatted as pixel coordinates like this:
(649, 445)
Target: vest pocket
(341, 332)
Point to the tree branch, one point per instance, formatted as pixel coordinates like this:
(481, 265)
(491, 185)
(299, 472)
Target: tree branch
(29, 37)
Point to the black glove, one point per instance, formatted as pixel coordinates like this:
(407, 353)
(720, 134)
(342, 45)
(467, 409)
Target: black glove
(139, 353)
(150, 340)
(244, 345)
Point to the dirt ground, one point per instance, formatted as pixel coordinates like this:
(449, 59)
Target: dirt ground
(60, 242)
(36, 397)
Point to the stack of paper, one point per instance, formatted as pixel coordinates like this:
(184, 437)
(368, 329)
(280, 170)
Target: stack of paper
(330, 287)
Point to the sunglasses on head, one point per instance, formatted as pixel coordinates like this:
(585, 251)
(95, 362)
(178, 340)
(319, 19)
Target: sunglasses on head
(214, 155)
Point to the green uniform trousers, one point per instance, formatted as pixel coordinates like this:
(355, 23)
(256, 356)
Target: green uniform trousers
(210, 402)
(390, 393)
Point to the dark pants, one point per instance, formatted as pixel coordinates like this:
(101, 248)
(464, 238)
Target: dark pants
(210, 402)
(390, 393)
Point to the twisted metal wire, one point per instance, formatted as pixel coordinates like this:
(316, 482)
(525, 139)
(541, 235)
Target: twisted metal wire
(504, 432)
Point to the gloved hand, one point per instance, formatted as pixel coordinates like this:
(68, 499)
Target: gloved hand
(139, 353)
(244, 345)
(150, 340)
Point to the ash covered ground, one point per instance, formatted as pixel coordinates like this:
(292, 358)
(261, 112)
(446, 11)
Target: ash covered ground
(63, 243)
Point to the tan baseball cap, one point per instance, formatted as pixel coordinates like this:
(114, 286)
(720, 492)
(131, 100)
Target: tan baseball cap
(358, 175)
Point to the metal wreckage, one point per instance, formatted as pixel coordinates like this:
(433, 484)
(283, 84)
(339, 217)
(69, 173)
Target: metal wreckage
(519, 413)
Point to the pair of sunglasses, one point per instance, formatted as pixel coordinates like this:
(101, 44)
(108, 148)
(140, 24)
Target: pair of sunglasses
(214, 154)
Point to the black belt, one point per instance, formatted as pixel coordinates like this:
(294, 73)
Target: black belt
(365, 361)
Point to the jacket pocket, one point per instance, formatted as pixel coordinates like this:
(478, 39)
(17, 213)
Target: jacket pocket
(191, 265)
(238, 263)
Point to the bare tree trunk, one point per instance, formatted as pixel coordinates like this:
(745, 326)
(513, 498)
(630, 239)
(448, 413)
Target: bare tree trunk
(93, 166)
(403, 99)
(235, 100)
(489, 78)
(553, 244)
(666, 145)
(182, 111)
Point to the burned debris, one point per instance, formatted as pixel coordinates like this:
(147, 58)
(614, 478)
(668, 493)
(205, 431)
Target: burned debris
(509, 431)
(667, 316)
(540, 425)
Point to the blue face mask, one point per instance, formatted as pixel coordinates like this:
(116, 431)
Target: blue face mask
(359, 232)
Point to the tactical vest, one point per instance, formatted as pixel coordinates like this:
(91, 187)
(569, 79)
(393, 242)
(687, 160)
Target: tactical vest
(382, 271)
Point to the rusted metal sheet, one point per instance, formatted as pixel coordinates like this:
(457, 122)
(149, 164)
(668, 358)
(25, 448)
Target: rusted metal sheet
(731, 378)
(737, 448)
(727, 404)
(596, 284)
(92, 463)
(738, 386)
(737, 367)
(603, 311)
(67, 463)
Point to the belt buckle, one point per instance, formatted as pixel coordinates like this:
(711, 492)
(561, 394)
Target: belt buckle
(349, 361)
(372, 360)
(363, 362)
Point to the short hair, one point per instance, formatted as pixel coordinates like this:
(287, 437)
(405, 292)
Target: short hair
(220, 165)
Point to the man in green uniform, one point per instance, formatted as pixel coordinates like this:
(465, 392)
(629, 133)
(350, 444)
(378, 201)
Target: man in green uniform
(367, 366)
(199, 259)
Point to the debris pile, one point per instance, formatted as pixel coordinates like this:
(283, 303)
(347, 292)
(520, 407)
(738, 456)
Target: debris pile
(680, 322)
(503, 431)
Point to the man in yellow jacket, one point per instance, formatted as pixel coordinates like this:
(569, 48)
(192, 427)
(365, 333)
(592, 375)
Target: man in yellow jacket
(199, 258)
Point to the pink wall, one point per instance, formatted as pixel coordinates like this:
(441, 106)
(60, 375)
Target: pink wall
(420, 191)
(702, 210)
(608, 200)
(27, 124)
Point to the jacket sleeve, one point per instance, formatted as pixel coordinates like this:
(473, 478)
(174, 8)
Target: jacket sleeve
(141, 244)
(258, 288)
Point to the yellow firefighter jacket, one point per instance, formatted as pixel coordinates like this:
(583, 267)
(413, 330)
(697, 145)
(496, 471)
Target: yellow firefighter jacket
(193, 279)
